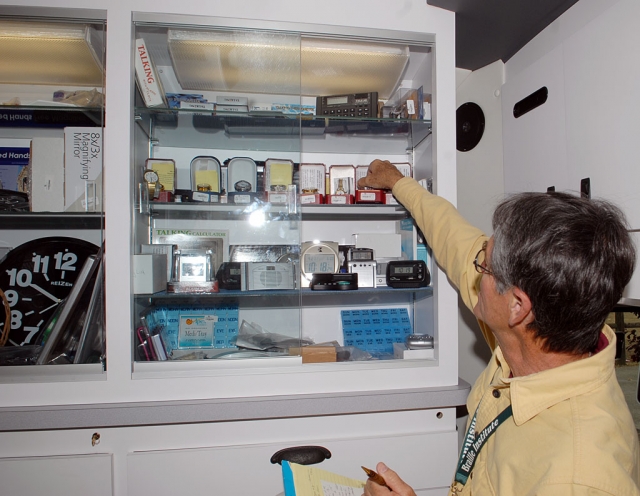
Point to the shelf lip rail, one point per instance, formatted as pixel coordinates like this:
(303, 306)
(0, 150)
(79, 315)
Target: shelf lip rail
(305, 29)
(229, 409)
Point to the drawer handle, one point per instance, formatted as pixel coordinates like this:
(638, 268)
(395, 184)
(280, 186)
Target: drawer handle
(302, 455)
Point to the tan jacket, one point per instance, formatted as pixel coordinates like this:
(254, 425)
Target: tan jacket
(571, 432)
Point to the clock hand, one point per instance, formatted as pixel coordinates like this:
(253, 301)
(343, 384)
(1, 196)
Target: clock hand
(47, 294)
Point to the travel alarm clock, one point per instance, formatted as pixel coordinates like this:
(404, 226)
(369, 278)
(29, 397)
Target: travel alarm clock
(407, 274)
(319, 257)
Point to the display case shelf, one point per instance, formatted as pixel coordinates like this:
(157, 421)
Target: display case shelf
(50, 115)
(51, 220)
(198, 129)
(287, 293)
(193, 210)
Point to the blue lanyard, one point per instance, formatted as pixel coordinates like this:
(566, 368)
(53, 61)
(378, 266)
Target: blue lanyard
(473, 444)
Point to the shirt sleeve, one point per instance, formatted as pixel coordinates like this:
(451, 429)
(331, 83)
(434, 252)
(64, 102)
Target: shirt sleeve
(453, 241)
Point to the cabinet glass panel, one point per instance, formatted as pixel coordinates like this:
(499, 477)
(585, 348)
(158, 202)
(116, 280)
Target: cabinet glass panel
(51, 210)
(250, 237)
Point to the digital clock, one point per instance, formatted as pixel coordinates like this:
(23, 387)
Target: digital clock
(318, 257)
(407, 274)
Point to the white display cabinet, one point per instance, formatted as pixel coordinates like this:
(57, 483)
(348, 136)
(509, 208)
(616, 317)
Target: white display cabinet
(142, 413)
(267, 68)
(51, 213)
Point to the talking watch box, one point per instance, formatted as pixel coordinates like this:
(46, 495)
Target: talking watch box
(242, 180)
(342, 180)
(278, 181)
(312, 183)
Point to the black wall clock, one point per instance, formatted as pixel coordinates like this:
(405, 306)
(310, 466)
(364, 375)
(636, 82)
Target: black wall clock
(36, 277)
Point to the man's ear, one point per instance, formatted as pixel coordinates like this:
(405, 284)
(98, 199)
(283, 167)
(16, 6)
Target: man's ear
(520, 310)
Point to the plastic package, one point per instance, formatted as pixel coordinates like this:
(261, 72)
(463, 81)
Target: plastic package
(254, 337)
(81, 98)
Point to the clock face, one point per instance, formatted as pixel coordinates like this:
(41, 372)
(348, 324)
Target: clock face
(151, 176)
(36, 277)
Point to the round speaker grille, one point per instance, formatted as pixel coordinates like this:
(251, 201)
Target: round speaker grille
(470, 126)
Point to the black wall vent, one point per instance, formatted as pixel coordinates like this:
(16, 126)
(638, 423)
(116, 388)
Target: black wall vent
(530, 102)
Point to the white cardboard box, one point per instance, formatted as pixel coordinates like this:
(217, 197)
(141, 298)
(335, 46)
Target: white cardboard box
(149, 273)
(83, 169)
(47, 175)
(147, 77)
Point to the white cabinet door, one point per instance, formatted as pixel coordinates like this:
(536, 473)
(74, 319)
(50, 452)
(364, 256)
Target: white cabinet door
(535, 155)
(426, 461)
(78, 475)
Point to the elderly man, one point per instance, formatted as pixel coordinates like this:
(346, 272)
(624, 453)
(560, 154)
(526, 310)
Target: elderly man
(547, 415)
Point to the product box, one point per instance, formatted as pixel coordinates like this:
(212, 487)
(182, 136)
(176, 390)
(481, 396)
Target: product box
(278, 181)
(14, 161)
(369, 196)
(47, 175)
(341, 184)
(147, 77)
(83, 169)
(312, 179)
(166, 170)
(149, 273)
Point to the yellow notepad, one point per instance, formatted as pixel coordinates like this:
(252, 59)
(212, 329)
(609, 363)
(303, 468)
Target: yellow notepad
(306, 480)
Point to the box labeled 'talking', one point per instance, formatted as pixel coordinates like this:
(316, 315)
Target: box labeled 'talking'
(83, 169)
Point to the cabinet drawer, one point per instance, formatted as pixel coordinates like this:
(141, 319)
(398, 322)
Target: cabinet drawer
(425, 461)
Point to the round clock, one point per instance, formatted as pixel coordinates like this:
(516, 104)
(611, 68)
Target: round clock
(320, 257)
(151, 178)
(36, 277)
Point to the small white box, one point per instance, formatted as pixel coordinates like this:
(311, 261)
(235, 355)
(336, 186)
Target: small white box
(149, 273)
(384, 245)
(83, 169)
(400, 351)
(47, 175)
(161, 249)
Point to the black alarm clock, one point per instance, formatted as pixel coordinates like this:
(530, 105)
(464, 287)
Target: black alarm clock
(407, 274)
(36, 277)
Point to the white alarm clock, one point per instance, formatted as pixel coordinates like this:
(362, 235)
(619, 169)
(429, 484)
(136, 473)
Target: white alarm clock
(318, 257)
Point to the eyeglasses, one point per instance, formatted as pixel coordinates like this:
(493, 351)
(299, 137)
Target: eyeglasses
(479, 262)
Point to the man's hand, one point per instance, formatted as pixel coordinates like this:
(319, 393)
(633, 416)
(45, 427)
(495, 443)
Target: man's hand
(397, 485)
(382, 174)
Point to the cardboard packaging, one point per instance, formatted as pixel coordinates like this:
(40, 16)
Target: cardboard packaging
(47, 175)
(312, 183)
(149, 273)
(147, 77)
(315, 353)
(83, 169)
(14, 162)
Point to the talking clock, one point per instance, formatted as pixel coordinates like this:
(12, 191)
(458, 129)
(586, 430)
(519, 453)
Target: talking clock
(407, 274)
(321, 257)
(350, 105)
(229, 275)
(36, 277)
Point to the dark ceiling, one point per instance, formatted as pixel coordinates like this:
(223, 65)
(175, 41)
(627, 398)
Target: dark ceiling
(490, 30)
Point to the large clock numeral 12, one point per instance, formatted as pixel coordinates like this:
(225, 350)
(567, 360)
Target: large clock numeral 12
(65, 261)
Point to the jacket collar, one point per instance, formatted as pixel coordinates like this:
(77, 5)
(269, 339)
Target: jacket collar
(534, 393)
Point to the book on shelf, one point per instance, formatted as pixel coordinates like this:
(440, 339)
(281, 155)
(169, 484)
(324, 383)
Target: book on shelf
(307, 480)
(147, 77)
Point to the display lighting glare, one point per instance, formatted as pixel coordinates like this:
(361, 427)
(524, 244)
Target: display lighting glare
(50, 54)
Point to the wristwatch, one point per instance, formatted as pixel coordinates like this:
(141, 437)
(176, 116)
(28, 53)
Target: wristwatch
(152, 180)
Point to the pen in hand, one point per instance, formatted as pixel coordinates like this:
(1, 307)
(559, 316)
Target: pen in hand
(375, 477)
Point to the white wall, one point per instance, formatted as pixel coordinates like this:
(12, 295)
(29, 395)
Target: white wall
(589, 127)
(480, 188)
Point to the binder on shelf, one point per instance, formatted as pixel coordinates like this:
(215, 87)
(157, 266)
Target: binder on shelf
(92, 341)
(60, 331)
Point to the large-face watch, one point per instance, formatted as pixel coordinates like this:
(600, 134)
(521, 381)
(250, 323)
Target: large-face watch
(152, 180)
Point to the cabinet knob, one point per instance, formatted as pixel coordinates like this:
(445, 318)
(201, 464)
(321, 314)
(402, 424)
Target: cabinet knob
(302, 455)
